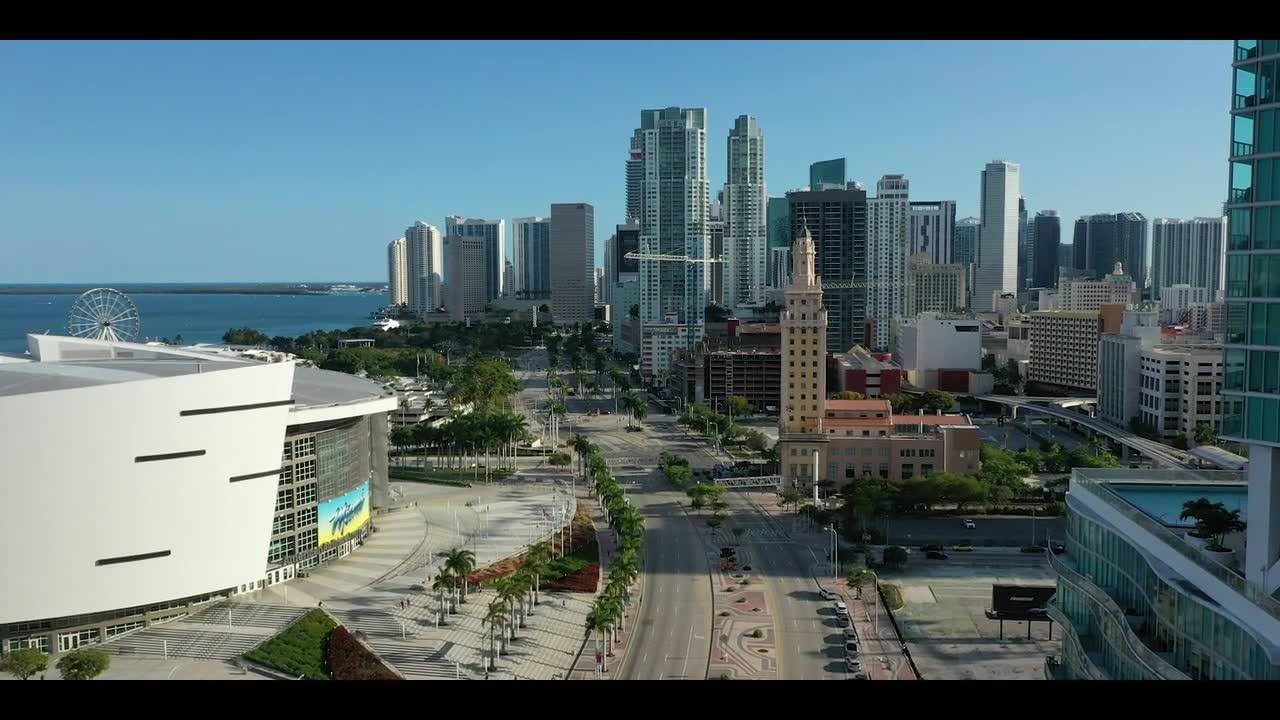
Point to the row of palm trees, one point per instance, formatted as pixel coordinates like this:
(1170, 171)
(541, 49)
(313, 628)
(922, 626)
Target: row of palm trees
(492, 433)
(607, 617)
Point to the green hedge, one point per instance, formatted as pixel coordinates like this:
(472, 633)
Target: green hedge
(452, 477)
(301, 649)
(892, 596)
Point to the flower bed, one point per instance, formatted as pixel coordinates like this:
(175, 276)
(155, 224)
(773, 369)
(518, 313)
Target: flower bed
(350, 660)
(585, 580)
(584, 534)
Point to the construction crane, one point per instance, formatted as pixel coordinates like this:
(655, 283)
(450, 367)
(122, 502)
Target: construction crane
(633, 255)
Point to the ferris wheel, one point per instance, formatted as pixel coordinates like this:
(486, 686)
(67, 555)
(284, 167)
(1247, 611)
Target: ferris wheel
(104, 314)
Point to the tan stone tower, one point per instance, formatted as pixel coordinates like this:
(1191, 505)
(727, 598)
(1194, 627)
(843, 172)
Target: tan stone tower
(804, 369)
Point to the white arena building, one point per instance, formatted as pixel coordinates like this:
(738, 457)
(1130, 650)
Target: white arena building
(141, 480)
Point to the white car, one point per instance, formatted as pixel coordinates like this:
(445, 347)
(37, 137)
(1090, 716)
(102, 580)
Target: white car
(852, 664)
(826, 594)
(841, 608)
(968, 524)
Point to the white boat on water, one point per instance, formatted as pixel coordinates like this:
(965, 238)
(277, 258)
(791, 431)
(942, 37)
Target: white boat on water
(386, 324)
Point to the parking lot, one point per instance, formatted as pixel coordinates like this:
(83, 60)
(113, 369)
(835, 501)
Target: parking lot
(944, 621)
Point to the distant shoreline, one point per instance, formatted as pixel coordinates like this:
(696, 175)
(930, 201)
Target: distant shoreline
(224, 289)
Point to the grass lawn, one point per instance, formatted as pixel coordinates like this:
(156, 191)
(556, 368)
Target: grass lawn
(301, 649)
(582, 556)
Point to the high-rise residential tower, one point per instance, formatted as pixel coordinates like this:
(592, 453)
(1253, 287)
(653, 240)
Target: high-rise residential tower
(635, 176)
(531, 244)
(837, 223)
(996, 256)
(717, 289)
(1188, 252)
(492, 233)
(827, 175)
(1047, 236)
(887, 247)
(573, 231)
(1251, 412)
(746, 228)
(398, 272)
(932, 229)
(964, 243)
(424, 256)
(674, 208)
(1101, 241)
(466, 260)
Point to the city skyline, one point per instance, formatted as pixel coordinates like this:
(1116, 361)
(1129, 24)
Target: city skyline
(311, 194)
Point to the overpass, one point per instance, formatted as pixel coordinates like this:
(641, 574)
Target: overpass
(1054, 407)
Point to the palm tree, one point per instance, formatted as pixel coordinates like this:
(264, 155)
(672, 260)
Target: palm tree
(537, 562)
(859, 578)
(617, 378)
(445, 581)
(461, 562)
(495, 617)
(630, 402)
(508, 591)
(401, 438)
(598, 622)
(640, 410)
(737, 534)
(581, 447)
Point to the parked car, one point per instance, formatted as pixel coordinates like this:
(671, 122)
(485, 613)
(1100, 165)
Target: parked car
(841, 608)
(606, 412)
(1058, 548)
(844, 621)
(851, 633)
(852, 664)
(930, 548)
(969, 524)
(936, 555)
(1032, 549)
(859, 676)
(962, 547)
(826, 594)
(850, 647)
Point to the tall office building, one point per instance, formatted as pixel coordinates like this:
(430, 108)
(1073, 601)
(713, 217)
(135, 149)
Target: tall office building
(779, 219)
(531, 244)
(1101, 241)
(424, 254)
(626, 240)
(675, 203)
(1251, 413)
(996, 257)
(1047, 236)
(1024, 249)
(1188, 252)
(492, 233)
(398, 272)
(746, 228)
(964, 243)
(837, 223)
(573, 232)
(466, 261)
(610, 270)
(932, 228)
(827, 175)
(933, 287)
(887, 246)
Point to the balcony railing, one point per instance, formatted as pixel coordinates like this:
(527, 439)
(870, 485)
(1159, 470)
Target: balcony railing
(1158, 667)
(1091, 670)
(1091, 480)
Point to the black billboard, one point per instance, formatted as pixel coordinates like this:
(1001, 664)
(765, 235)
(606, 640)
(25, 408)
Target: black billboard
(1021, 601)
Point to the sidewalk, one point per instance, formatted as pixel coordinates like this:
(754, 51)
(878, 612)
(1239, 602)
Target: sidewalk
(585, 667)
(882, 652)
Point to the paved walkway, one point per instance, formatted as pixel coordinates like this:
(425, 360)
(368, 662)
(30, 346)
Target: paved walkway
(586, 667)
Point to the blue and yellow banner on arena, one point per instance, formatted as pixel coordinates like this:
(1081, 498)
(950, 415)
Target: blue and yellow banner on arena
(344, 514)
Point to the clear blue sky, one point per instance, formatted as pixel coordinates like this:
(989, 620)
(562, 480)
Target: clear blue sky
(246, 161)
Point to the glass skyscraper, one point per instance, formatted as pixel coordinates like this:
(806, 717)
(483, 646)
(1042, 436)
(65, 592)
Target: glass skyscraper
(1251, 411)
(827, 174)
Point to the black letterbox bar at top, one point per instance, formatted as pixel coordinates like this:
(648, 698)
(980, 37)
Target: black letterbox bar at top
(234, 408)
(133, 558)
(168, 456)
